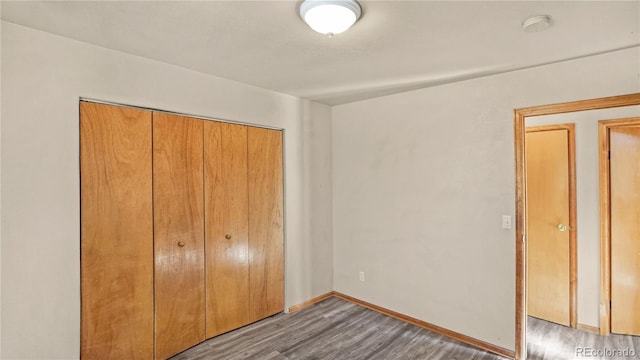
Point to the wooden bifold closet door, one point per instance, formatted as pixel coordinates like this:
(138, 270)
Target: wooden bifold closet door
(244, 225)
(178, 233)
(116, 233)
(266, 239)
(227, 227)
(182, 230)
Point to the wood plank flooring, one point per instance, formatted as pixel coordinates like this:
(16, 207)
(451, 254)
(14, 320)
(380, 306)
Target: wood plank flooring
(333, 329)
(546, 340)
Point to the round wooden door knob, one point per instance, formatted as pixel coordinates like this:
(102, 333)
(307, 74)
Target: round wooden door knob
(181, 243)
(227, 236)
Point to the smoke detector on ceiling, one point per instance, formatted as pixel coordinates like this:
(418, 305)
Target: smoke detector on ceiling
(536, 23)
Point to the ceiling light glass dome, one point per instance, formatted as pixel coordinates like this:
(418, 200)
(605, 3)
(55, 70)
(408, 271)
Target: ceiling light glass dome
(330, 17)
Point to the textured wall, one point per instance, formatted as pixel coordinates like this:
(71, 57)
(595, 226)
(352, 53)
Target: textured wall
(422, 179)
(43, 77)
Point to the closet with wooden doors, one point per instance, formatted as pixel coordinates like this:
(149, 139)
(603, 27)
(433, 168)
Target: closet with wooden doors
(181, 230)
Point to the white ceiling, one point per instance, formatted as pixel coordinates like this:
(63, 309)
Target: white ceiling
(396, 45)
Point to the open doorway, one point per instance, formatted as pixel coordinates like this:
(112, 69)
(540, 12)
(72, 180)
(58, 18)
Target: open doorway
(521, 203)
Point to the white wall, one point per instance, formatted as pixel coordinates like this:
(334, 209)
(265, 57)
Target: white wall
(42, 78)
(319, 204)
(588, 203)
(421, 180)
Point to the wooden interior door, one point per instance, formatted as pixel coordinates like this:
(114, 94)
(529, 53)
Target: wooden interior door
(116, 233)
(226, 227)
(624, 146)
(178, 189)
(548, 225)
(266, 232)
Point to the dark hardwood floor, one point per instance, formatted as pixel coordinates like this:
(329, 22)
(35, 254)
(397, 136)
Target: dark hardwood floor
(333, 329)
(546, 340)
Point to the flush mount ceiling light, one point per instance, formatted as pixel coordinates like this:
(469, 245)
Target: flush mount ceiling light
(536, 23)
(330, 17)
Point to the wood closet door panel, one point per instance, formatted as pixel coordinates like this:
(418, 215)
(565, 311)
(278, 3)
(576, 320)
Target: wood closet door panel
(266, 235)
(226, 227)
(179, 233)
(116, 233)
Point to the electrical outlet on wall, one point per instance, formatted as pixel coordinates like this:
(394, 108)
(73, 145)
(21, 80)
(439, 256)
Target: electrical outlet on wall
(506, 222)
(361, 276)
